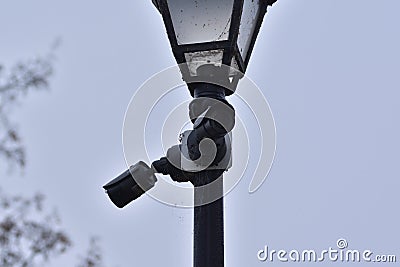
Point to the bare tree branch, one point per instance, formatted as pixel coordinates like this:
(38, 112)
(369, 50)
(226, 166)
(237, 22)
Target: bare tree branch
(15, 83)
(93, 256)
(29, 236)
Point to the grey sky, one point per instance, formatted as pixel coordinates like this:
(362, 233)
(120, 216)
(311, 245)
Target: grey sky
(330, 71)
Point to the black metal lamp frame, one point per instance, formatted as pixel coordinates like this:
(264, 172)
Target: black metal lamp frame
(230, 47)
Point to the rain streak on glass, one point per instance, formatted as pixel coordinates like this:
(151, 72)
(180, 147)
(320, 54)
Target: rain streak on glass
(247, 25)
(199, 21)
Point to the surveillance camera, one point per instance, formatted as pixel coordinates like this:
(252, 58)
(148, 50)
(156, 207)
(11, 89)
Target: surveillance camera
(131, 184)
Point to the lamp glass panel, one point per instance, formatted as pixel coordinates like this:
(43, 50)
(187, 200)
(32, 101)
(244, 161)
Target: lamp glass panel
(197, 59)
(248, 21)
(199, 21)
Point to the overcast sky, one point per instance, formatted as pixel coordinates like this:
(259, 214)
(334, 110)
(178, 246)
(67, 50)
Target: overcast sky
(330, 72)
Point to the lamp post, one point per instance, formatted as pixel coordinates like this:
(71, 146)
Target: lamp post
(212, 41)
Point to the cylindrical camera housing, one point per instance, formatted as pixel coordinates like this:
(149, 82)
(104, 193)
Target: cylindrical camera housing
(131, 184)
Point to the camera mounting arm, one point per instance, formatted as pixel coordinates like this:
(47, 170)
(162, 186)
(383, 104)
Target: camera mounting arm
(206, 148)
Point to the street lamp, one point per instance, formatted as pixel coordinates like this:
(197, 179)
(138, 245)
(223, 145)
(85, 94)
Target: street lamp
(212, 41)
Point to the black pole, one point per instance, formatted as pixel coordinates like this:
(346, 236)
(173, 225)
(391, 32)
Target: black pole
(208, 241)
(218, 121)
